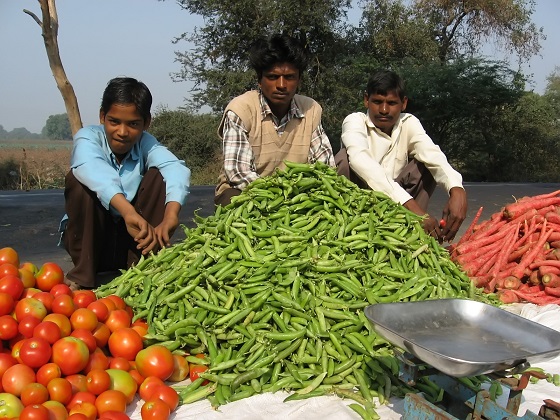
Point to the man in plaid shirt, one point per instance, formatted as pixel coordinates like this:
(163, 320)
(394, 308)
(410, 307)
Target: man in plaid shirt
(262, 128)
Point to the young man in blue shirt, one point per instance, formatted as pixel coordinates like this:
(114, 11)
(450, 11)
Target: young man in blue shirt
(124, 190)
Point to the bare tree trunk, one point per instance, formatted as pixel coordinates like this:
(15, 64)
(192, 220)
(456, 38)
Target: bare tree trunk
(49, 27)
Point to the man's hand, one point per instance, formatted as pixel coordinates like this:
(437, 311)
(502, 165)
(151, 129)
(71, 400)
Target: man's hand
(142, 232)
(454, 213)
(164, 231)
(430, 224)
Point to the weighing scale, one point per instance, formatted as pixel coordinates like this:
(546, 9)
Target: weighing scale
(448, 340)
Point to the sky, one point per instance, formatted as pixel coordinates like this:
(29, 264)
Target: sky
(102, 39)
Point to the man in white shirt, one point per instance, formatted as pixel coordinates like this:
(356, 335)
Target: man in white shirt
(388, 150)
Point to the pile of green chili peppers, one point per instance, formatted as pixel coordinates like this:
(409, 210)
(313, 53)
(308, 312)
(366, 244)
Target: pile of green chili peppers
(272, 287)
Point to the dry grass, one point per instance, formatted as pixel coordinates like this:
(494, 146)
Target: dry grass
(43, 164)
(34, 164)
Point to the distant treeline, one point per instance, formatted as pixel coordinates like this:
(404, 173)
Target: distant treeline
(20, 133)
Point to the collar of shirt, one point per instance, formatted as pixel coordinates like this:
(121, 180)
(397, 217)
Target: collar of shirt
(294, 112)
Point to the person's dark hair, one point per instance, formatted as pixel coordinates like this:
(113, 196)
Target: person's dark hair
(126, 90)
(383, 81)
(279, 48)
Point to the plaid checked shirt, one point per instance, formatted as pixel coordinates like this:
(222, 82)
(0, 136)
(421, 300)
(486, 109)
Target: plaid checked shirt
(239, 161)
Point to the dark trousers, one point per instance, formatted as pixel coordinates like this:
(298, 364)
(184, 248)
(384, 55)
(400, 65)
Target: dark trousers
(415, 178)
(97, 242)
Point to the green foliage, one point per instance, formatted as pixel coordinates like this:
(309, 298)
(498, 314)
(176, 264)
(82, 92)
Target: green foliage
(192, 137)
(57, 127)
(19, 133)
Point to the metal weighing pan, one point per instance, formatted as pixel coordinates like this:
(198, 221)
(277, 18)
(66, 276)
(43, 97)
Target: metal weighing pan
(461, 337)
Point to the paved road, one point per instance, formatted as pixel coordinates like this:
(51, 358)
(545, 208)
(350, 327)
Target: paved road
(29, 220)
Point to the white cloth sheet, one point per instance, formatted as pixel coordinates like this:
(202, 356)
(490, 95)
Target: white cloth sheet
(270, 406)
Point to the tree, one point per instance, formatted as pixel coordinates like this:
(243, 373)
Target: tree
(49, 27)
(218, 61)
(57, 127)
(461, 27)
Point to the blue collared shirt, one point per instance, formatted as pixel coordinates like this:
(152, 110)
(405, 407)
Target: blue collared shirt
(94, 165)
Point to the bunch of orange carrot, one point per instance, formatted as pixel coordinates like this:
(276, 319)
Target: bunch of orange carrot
(516, 252)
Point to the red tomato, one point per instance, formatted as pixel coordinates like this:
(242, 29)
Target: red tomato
(48, 276)
(136, 376)
(97, 360)
(71, 354)
(27, 278)
(57, 411)
(29, 266)
(62, 321)
(87, 337)
(7, 303)
(30, 306)
(98, 381)
(119, 363)
(196, 370)
(77, 416)
(46, 298)
(60, 389)
(34, 393)
(111, 305)
(82, 298)
(48, 372)
(12, 285)
(114, 415)
(6, 361)
(27, 325)
(9, 255)
(100, 310)
(34, 412)
(78, 382)
(35, 352)
(101, 334)
(87, 409)
(118, 318)
(15, 350)
(148, 386)
(16, 378)
(167, 394)
(8, 327)
(63, 304)
(155, 410)
(180, 369)
(125, 342)
(47, 330)
(122, 381)
(7, 268)
(155, 360)
(81, 397)
(61, 289)
(83, 318)
(110, 400)
(29, 292)
(118, 301)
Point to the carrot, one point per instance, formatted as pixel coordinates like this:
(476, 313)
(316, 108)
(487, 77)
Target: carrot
(552, 291)
(554, 244)
(539, 298)
(485, 267)
(519, 252)
(528, 215)
(511, 282)
(547, 209)
(466, 236)
(552, 263)
(511, 211)
(545, 269)
(551, 280)
(531, 255)
(555, 235)
(540, 197)
(481, 252)
(508, 296)
(506, 249)
(552, 216)
(535, 277)
(485, 240)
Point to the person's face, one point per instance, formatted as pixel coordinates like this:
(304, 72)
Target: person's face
(279, 84)
(384, 110)
(123, 127)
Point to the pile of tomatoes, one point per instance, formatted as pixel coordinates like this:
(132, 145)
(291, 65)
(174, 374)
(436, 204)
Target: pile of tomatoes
(68, 355)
